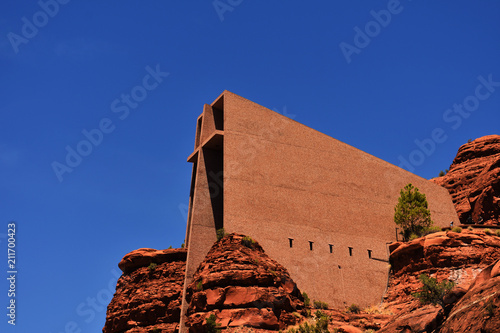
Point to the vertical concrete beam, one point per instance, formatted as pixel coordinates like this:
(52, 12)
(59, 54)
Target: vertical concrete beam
(205, 213)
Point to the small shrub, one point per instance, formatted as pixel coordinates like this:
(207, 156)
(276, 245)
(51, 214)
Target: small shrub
(412, 237)
(319, 314)
(456, 229)
(353, 308)
(441, 173)
(374, 309)
(470, 228)
(221, 233)
(199, 285)
(152, 266)
(170, 247)
(322, 320)
(155, 330)
(488, 232)
(306, 312)
(432, 291)
(183, 245)
(303, 328)
(431, 230)
(307, 300)
(320, 325)
(369, 331)
(248, 241)
(497, 233)
(212, 325)
(320, 305)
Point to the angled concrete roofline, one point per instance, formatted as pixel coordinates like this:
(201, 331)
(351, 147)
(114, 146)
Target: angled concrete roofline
(219, 102)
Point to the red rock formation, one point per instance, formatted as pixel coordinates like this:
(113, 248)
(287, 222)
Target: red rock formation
(474, 180)
(148, 297)
(343, 321)
(425, 319)
(479, 309)
(458, 257)
(242, 286)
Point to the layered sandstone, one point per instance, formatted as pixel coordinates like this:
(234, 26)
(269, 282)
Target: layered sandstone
(424, 319)
(458, 257)
(149, 292)
(479, 309)
(242, 286)
(474, 181)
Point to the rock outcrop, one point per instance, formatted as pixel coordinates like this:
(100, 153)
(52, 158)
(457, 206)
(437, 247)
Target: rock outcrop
(249, 292)
(474, 181)
(241, 286)
(479, 309)
(424, 319)
(149, 292)
(458, 257)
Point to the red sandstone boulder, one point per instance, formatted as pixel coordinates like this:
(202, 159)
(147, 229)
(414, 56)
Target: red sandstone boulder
(479, 309)
(474, 180)
(459, 257)
(242, 286)
(344, 321)
(148, 297)
(143, 257)
(349, 329)
(425, 319)
(445, 249)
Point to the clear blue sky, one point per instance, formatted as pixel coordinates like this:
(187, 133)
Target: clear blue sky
(373, 81)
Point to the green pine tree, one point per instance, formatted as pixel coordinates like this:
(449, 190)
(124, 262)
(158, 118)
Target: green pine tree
(432, 291)
(412, 213)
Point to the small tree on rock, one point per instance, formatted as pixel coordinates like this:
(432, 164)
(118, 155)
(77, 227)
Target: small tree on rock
(412, 213)
(432, 291)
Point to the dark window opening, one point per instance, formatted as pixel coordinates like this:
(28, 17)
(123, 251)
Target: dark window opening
(331, 248)
(214, 167)
(350, 251)
(218, 119)
(198, 133)
(218, 112)
(370, 254)
(291, 241)
(191, 196)
(311, 245)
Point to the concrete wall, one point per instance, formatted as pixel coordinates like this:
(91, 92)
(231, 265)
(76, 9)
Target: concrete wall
(205, 213)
